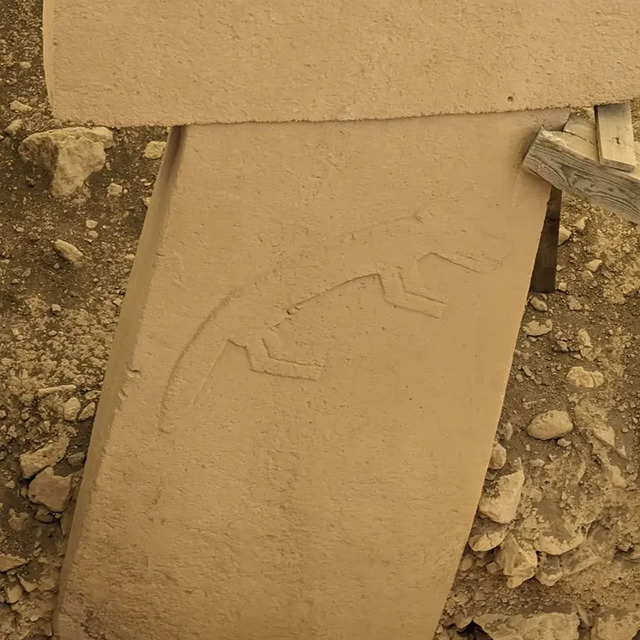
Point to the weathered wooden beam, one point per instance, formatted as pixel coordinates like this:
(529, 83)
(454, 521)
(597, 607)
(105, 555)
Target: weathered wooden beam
(543, 278)
(615, 136)
(570, 163)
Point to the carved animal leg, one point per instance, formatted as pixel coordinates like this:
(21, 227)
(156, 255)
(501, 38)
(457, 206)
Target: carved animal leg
(469, 261)
(266, 355)
(415, 284)
(420, 298)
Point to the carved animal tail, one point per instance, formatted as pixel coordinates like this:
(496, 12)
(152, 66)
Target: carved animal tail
(191, 371)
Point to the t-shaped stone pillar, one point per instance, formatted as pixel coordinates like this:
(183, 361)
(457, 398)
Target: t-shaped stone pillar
(312, 354)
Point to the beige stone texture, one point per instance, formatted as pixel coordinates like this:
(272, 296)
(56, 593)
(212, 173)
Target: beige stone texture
(119, 62)
(301, 402)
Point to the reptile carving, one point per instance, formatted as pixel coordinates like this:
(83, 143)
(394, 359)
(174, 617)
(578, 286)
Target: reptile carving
(249, 316)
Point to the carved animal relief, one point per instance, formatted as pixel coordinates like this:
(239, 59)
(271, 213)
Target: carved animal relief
(250, 316)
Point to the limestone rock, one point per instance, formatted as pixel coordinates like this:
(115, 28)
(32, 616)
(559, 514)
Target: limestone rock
(63, 388)
(13, 127)
(114, 190)
(616, 625)
(69, 252)
(518, 560)
(549, 570)
(579, 559)
(539, 304)
(8, 562)
(76, 459)
(580, 377)
(70, 154)
(498, 456)
(550, 424)
(581, 224)
(486, 535)
(559, 542)
(70, 409)
(584, 339)
(21, 107)
(563, 235)
(535, 328)
(593, 265)
(35, 461)
(50, 490)
(154, 150)
(501, 505)
(88, 412)
(574, 304)
(538, 626)
(13, 593)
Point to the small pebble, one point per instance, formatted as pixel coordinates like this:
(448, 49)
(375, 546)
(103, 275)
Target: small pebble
(154, 150)
(13, 593)
(56, 308)
(563, 235)
(581, 224)
(50, 490)
(535, 328)
(593, 265)
(16, 105)
(538, 304)
(76, 459)
(70, 409)
(69, 252)
(114, 189)
(498, 456)
(580, 377)
(91, 224)
(88, 412)
(574, 304)
(13, 127)
(550, 424)
(562, 286)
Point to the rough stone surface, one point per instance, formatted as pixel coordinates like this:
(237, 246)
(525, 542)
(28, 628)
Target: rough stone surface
(206, 62)
(256, 435)
(563, 235)
(71, 155)
(69, 252)
(35, 461)
(500, 503)
(536, 328)
(517, 559)
(50, 490)
(154, 150)
(8, 562)
(549, 570)
(616, 625)
(550, 424)
(539, 304)
(70, 409)
(498, 456)
(581, 377)
(539, 626)
(486, 535)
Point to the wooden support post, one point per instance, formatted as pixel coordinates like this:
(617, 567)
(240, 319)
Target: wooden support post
(569, 161)
(543, 279)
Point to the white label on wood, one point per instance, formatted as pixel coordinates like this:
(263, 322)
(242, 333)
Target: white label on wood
(615, 136)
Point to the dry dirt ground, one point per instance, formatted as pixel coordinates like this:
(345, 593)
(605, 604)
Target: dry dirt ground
(567, 544)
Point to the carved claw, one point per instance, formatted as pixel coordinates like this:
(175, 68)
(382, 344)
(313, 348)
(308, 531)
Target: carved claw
(403, 288)
(262, 360)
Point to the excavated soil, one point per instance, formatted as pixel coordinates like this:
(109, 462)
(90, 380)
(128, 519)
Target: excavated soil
(577, 522)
